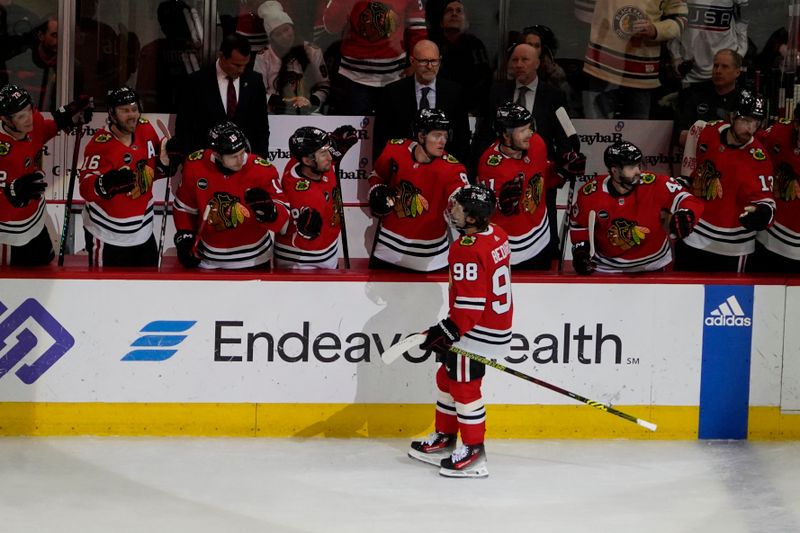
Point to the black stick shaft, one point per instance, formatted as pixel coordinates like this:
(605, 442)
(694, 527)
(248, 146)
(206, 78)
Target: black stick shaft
(340, 207)
(565, 224)
(73, 176)
(554, 388)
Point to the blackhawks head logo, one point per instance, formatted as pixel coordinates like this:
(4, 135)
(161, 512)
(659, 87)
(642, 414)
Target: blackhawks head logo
(785, 185)
(706, 181)
(5, 148)
(375, 22)
(409, 203)
(532, 196)
(144, 179)
(626, 234)
(226, 212)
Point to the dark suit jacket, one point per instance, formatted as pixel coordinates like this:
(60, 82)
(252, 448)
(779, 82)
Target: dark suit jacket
(545, 104)
(200, 108)
(399, 108)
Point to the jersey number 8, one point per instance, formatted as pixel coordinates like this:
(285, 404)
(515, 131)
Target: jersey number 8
(501, 283)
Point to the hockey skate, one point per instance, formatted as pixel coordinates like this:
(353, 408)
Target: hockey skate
(433, 449)
(466, 461)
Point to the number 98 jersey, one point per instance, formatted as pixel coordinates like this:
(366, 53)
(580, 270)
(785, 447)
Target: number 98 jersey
(480, 292)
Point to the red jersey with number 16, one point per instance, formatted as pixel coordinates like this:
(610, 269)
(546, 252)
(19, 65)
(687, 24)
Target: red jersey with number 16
(480, 292)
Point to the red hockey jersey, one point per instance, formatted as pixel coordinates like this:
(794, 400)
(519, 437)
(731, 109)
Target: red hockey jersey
(783, 237)
(629, 235)
(480, 294)
(231, 237)
(18, 225)
(292, 249)
(415, 234)
(727, 180)
(529, 229)
(376, 37)
(124, 219)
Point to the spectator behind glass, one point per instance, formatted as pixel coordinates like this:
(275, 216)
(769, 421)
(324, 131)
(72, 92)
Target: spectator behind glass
(294, 73)
(377, 38)
(544, 40)
(165, 63)
(35, 70)
(713, 25)
(633, 30)
(464, 57)
(16, 33)
(99, 66)
(710, 100)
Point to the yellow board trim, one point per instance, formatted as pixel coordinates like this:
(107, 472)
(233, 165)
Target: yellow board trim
(363, 420)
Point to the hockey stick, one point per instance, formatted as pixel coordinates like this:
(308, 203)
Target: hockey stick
(393, 352)
(203, 222)
(165, 133)
(73, 176)
(554, 388)
(339, 202)
(565, 225)
(592, 222)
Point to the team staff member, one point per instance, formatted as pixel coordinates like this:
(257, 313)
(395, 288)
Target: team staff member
(311, 188)
(228, 204)
(24, 239)
(733, 177)
(409, 190)
(516, 168)
(479, 321)
(119, 167)
(778, 247)
(628, 204)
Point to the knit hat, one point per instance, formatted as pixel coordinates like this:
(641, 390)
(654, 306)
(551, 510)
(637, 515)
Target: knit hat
(273, 15)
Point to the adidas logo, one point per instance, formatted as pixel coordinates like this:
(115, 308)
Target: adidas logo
(728, 313)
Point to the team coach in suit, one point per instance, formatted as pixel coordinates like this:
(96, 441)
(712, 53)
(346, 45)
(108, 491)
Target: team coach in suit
(403, 99)
(220, 92)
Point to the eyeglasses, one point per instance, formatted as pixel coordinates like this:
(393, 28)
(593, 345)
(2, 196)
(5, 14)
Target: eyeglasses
(428, 62)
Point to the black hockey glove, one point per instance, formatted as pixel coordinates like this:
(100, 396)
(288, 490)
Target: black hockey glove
(682, 223)
(309, 223)
(343, 137)
(380, 197)
(571, 165)
(510, 196)
(25, 188)
(441, 336)
(75, 113)
(756, 217)
(184, 242)
(114, 182)
(260, 202)
(582, 258)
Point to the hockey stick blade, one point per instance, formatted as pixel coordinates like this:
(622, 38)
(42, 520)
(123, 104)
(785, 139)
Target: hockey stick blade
(393, 352)
(597, 405)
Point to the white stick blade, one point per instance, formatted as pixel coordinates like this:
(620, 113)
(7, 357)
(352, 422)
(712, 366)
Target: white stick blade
(393, 352)
(646, 424)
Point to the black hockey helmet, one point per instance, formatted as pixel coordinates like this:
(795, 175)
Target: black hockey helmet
(622, 153)
(13, 99)
(227, 138)
(750, 104)
(431, 119)
(121, 96)
(478, 202)
(509, 116)
(307, 140)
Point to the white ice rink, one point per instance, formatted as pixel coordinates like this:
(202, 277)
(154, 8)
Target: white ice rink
(194, 485)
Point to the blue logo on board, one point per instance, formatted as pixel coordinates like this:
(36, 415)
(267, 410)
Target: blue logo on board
(159, 336)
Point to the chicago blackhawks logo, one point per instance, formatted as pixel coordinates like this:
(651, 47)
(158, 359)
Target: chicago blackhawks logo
(647, 178)
(144, 179)
(624, 20)
(102, 138)
(450, 159)
(302, 185)
(5, 148)
(533, 193)
(626, 234)
(409, 202)
(706, 182)
(226, 212)
(375, 22)
(194, 156)
(758, 154)
(336, 218)
(396, 141)
(589, 188)
(786, 186)
(467, 240)
(261, 162)
(493, 161)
